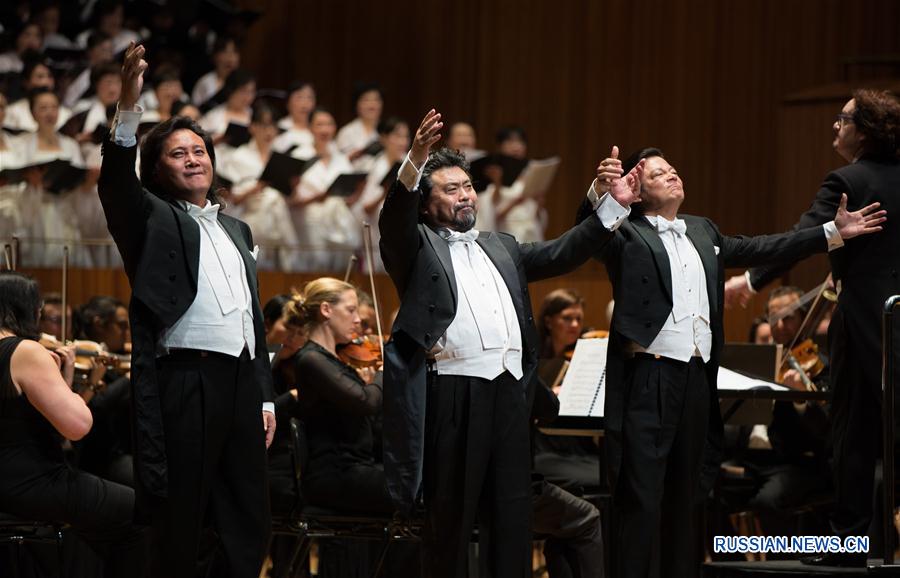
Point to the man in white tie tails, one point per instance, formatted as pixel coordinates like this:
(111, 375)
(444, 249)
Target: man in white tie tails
(663, 427)
(461, 357)
(200, 370)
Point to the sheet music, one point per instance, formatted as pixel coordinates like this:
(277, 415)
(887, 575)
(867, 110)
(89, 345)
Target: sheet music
(583, 391)
(537, 176)
(733, 380)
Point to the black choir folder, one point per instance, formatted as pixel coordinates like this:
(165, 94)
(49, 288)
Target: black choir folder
(345, 185)
(282, 170)
(512, 168)
(57, 175)
(236, 134)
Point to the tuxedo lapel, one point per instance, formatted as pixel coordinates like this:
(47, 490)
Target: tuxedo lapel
(707, 252)
(646, 232)
(442, 250)
(505, 266)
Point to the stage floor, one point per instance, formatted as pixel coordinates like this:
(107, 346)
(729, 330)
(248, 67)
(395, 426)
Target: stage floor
(789, 568)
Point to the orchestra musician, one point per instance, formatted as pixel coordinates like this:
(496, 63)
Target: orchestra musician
(37, 409)
(663, 434)
(201, 379)
(338, 404)
(866, 272)
(798, 430)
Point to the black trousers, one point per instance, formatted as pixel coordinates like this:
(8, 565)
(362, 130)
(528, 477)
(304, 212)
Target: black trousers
(216, 453)
(663, 434)
(855, 426)
(477, 466)
(574, 544)
(100, 512)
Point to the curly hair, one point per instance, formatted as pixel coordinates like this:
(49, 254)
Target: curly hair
(877, 117)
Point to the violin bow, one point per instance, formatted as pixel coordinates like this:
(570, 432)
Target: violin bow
(65, 291)
(370, 259)
(350, 263)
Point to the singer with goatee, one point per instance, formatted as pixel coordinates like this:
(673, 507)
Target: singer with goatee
(463, 350)
(202, 385)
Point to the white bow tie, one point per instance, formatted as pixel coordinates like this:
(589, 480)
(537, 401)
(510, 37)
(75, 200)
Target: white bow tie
(454, 236)
(677, 226)
(209, 212)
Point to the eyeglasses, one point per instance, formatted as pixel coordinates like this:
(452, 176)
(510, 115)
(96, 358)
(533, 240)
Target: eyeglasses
(844, 118)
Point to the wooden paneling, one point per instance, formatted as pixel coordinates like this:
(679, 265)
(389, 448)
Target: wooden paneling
(704, 80)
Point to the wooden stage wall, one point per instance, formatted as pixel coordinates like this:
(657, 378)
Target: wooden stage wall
(589, 281)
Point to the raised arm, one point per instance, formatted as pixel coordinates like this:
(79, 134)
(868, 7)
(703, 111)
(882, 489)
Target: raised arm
(790, 247)
(830, 206)
(124, 200)
(398, 222)
(594, 233)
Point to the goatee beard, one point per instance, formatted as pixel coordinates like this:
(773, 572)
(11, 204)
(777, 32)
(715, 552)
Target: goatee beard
(464, 222)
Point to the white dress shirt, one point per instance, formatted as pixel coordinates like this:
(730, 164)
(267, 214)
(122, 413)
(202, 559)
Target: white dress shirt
(220, 317)
(686, 332)
(484, 338)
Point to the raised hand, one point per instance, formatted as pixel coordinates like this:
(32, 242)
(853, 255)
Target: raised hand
(627, 190)
(862, 222)
(427, 135)
(610, 170)
(132, 76)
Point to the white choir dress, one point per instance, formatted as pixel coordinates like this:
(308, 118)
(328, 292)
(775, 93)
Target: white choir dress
(19, 118)
(298, 141)
(266, 212)
(372, 193)
(526, 221)
(352, 137)
(51, 219)
(327, 229)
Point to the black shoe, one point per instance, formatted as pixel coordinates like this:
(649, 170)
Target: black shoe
(844, 560)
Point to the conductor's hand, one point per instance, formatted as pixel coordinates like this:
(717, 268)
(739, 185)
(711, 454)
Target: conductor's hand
(862, 222)
(269, 426)
(132, 76)
(427, 135)
(737, 292)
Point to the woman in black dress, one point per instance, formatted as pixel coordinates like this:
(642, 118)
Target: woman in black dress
(339, 404)
(37, 409)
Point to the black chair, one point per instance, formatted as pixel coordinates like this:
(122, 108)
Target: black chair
(15, 532)
(308, 522)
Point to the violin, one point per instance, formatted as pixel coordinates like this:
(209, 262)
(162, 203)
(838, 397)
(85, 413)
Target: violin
(803, 354)
(360, 352)
(86, 352)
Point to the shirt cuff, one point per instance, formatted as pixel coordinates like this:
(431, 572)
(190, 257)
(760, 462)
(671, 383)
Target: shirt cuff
(749, 284)
(269, 406)
(125, 126)
(832, 236)
(409, 174)
(608, 210)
